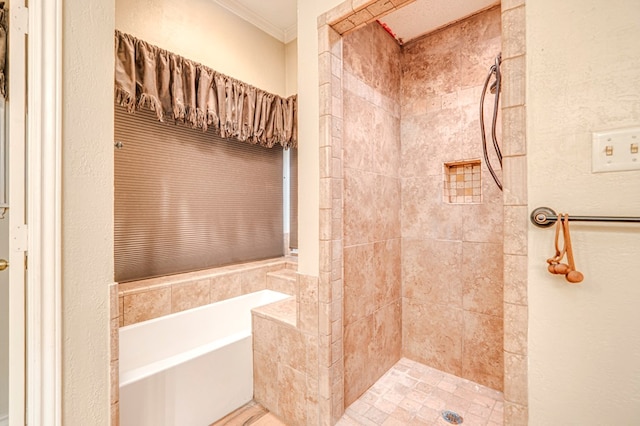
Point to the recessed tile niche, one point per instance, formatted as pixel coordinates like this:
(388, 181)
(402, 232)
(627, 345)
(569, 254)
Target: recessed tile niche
(462, 184)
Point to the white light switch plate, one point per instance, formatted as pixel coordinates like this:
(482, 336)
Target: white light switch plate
(613, 150)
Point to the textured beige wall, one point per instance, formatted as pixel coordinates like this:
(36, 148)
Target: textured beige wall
(583, 75)
(291, 67)
(87, 205)
(205, 32)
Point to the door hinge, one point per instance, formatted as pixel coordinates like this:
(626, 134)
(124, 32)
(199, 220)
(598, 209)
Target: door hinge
(20, 19)
(20, 238)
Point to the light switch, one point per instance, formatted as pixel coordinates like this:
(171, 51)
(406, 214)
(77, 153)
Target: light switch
(616, 150)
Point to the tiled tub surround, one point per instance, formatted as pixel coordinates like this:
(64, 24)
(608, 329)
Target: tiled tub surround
(451, 253)
(138, 301)
(192, 367)
(290, 347)
(151, 298)
(285, 364)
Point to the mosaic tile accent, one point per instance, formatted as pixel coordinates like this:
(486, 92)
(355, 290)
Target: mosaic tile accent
(462, 182)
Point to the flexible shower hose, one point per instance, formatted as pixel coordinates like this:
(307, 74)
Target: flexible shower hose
(495, 69)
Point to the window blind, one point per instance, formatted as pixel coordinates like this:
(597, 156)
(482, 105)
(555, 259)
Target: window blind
(293, 190)
(187, 200)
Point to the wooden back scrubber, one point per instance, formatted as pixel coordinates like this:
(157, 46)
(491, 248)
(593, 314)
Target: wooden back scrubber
(555, 263)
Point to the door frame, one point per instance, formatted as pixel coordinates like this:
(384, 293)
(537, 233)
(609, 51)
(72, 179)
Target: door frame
(18, 232)
(44, 277)
(41, 349)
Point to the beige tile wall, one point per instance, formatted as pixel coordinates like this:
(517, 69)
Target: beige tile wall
(354, 14)
(330, 281)
(114, 355)
(151, 298)
(452, 253)
(371, 215)
(285, 359)
(515, 214)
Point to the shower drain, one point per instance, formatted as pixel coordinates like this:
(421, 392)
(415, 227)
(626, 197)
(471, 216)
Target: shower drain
(452, 417)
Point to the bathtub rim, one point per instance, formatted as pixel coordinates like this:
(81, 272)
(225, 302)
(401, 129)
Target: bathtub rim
(136, 374)
(207, 306)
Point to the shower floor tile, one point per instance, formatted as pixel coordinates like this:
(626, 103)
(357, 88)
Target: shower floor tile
(411, 393)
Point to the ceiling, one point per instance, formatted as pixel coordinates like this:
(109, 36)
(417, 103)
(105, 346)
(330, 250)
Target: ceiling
(279, 17)
(424, 16)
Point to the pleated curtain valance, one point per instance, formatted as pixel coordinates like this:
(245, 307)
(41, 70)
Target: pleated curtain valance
(189, 92)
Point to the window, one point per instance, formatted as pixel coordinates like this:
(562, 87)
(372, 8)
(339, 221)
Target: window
(293, 198)
(187, 200)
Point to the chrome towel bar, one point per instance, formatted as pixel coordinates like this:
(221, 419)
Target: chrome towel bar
(545, 217)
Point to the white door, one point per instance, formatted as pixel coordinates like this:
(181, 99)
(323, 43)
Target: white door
(13, 228)
(4, 278)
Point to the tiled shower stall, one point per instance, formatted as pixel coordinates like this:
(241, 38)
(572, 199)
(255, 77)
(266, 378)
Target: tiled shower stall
(415, 265)
(411, 250)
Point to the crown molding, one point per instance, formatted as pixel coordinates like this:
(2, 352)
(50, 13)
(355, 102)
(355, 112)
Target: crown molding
(291, 33)
(255, 19)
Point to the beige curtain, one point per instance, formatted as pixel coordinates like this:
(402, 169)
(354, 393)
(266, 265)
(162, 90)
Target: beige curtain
(172, 86)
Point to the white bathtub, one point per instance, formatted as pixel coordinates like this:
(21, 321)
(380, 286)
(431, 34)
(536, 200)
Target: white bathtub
(190, 368)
